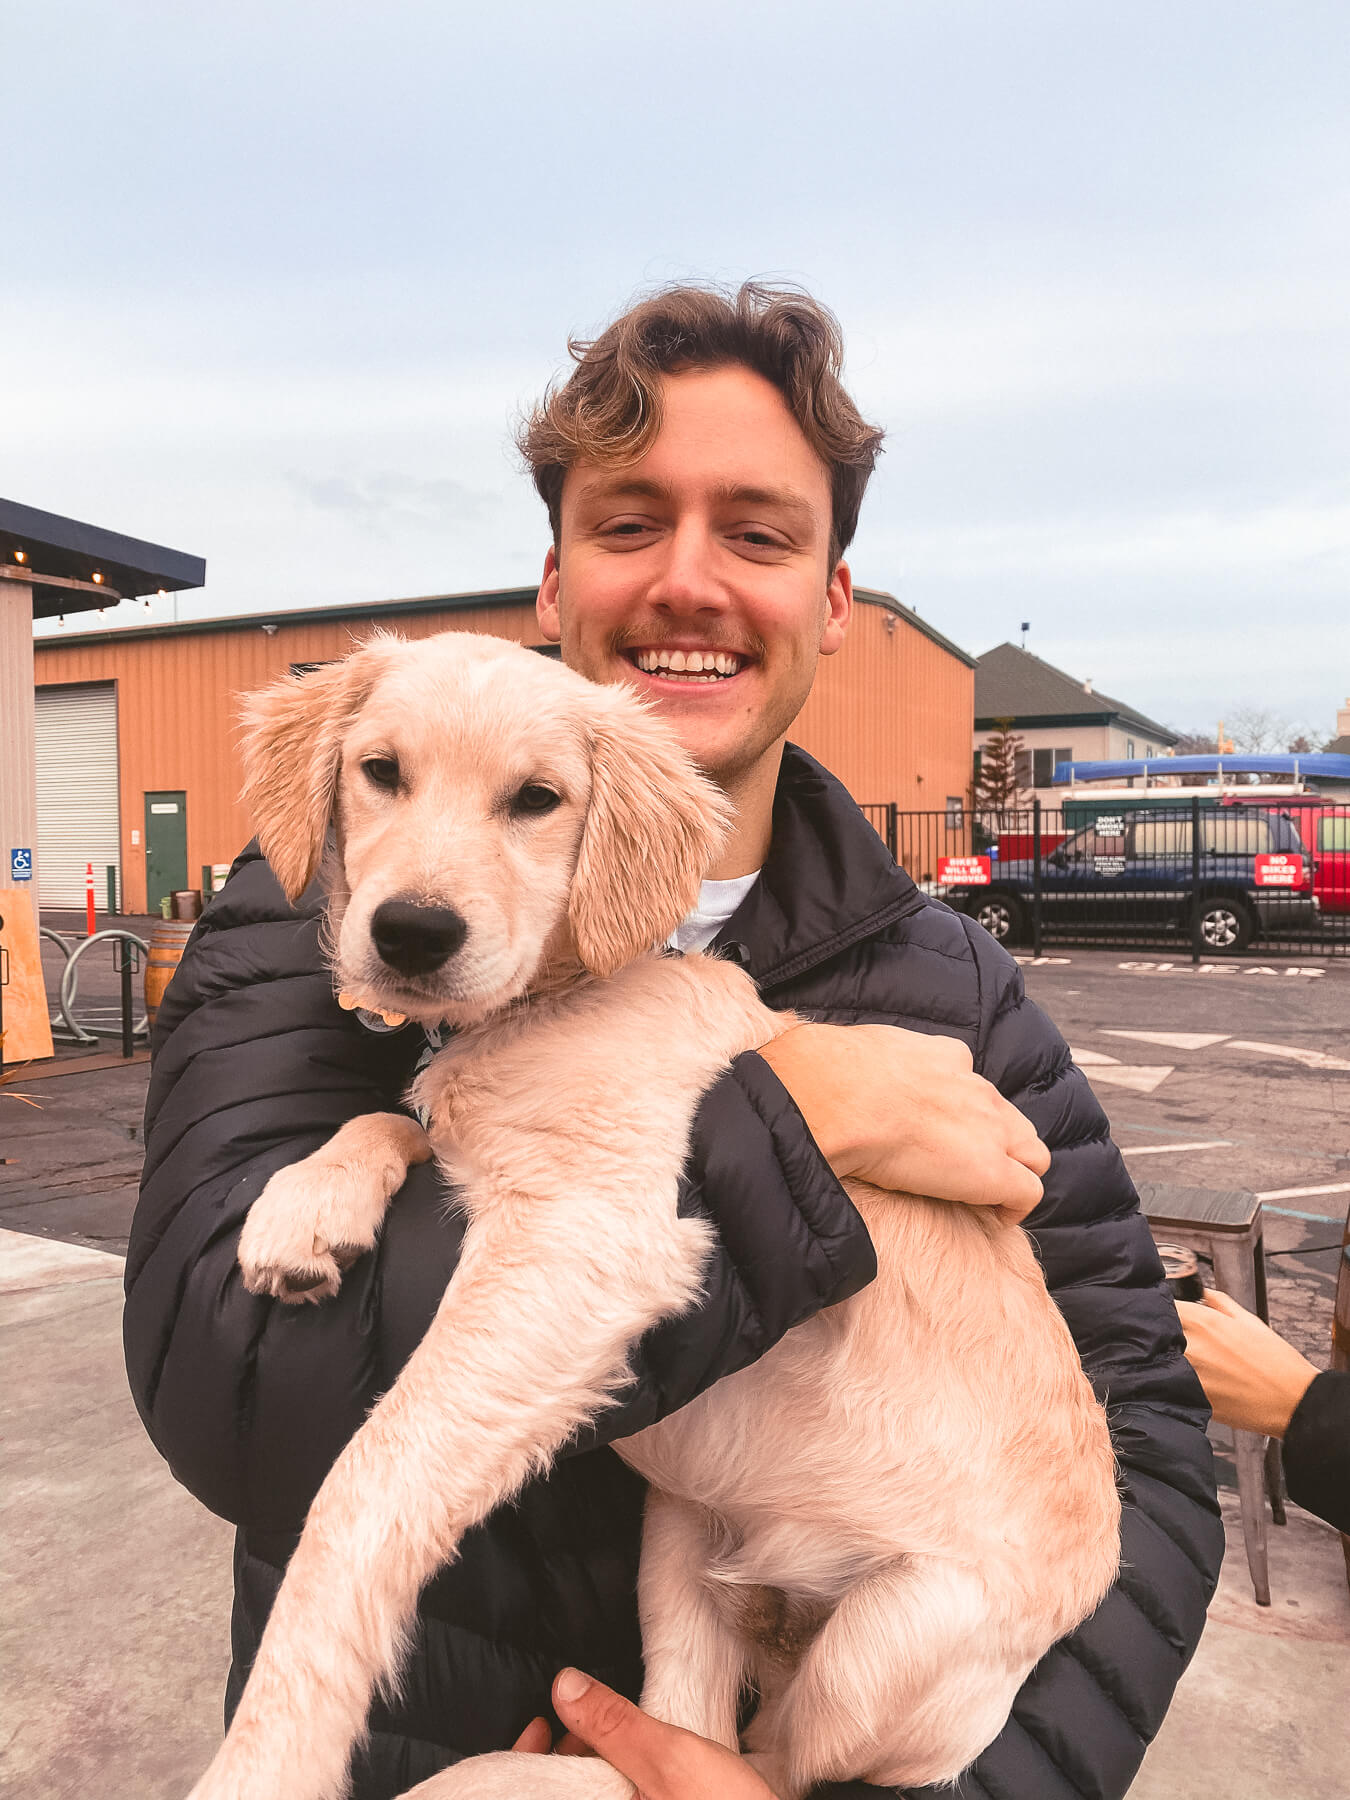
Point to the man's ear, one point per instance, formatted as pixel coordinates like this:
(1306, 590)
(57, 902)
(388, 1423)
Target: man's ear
(653, 827)
(546, 600)
(291, 747)
(838, 610)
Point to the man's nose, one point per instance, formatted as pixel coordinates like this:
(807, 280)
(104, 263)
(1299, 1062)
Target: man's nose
(688, 579)
(415, 939)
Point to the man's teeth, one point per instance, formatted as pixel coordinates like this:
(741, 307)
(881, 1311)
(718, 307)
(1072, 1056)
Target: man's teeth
(709, 664)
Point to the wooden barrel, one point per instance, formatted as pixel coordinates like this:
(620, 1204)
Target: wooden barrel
(167, 939)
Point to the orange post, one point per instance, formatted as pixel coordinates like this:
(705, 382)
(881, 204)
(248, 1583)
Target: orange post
(89, 897)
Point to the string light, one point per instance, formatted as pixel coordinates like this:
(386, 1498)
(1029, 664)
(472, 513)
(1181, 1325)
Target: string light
(21, 556)
(98, 577)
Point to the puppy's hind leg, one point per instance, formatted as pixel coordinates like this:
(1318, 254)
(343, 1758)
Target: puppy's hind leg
(695, 1663)
(904, 1685)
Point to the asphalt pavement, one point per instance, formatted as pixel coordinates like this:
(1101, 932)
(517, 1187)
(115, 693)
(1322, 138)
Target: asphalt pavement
(114, 1635)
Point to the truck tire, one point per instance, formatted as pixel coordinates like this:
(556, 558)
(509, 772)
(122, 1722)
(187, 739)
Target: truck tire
(1227, 925)
(1002, 916)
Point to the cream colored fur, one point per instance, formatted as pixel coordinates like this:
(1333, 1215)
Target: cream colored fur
(884, 1523)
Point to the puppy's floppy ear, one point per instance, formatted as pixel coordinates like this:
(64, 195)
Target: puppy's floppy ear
(653, 826)
(291, 745)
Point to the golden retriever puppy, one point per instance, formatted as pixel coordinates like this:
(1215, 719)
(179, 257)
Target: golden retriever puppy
(884, 1523)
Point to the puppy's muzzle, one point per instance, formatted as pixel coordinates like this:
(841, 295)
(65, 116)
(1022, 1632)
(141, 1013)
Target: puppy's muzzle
(414, 940)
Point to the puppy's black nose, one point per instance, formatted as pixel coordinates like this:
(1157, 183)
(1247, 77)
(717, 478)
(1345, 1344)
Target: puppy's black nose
(416, 939)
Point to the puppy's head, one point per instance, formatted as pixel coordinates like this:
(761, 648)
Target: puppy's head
(496, 816)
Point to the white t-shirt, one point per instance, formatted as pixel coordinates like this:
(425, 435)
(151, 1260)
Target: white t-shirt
(717, 900)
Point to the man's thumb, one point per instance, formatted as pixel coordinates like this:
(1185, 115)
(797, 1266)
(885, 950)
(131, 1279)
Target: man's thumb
(626, 1738)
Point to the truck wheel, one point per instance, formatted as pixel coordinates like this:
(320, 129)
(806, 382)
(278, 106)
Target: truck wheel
(1002, 917)
(1226, 925)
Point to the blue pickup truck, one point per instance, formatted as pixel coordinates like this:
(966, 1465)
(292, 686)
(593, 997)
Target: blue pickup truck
(1137, 870)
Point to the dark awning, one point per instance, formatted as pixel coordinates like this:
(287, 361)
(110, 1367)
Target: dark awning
(65, 555)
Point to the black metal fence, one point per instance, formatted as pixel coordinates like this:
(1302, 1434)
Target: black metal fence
(1206, 878)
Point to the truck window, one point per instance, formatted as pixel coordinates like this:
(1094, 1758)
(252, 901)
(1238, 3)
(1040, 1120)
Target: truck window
(1333, 832)
(1155, 838)
(1235, 834)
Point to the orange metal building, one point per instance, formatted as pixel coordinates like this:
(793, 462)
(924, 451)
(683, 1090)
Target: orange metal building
(891, 715)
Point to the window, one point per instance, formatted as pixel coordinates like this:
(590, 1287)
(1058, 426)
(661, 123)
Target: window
(1149, 752)
(1129, 749)
(956, 812)
(1154, 839)
(1022, 769)
(1044, 763)
(1234, 834)
(1333, 832)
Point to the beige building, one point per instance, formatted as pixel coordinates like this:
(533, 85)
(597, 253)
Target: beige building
(1058, 718)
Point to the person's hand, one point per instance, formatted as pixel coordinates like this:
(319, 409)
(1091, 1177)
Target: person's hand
(663, 1762)
(907, 1112)
(1252, 1379)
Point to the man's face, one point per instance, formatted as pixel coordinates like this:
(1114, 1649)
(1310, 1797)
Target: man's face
(712, 551)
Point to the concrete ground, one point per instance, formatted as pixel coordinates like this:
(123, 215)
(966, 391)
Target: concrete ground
(114, 1626)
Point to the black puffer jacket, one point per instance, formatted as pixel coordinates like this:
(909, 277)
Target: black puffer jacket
(250, 1401)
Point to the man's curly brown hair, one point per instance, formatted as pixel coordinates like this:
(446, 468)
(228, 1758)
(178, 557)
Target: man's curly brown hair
(608, 411)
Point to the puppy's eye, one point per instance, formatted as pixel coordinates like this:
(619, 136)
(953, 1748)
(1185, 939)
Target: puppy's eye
(381, 772)
(534, 799)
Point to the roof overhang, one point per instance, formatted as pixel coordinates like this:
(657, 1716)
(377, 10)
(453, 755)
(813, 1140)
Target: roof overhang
(74, 567)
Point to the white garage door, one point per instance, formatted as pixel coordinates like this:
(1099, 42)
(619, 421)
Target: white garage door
(76, 793)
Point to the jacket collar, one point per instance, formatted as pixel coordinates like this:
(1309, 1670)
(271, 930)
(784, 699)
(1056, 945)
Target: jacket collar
(828, 880)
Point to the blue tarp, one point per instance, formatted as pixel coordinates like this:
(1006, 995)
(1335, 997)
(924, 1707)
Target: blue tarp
(1320, 765)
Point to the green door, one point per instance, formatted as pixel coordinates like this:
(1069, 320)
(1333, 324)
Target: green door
(165, 847)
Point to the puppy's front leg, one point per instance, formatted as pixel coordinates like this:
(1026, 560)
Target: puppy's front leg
(530, 1340)
(314, 1218)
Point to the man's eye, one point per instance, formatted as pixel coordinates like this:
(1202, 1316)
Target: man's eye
(533, 800)
(381, 772)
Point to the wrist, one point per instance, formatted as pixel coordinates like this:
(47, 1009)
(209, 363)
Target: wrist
(1286, 1401)
(807, 1060)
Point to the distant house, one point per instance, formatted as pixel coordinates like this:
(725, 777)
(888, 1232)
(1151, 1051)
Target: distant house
(1058, 718)
(1341, 741)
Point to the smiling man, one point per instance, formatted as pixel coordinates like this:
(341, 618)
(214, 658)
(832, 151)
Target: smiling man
(703, 467)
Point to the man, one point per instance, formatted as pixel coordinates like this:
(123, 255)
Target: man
(703, 469)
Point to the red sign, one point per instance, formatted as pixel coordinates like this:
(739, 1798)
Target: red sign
(963, 871)
(1279, 871)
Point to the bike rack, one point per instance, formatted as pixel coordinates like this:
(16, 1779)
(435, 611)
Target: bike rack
(70, 981)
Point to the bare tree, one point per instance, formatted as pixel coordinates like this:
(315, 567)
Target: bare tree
(1258, 730)
(1196, 743)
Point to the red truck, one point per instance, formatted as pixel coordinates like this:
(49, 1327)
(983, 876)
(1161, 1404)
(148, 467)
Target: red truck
(1325, 830)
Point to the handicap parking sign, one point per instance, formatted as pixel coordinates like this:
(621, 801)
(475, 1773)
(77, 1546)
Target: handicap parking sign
(21, 865)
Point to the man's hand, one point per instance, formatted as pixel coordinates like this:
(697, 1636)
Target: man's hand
(663, 1762)
(1251, 1377)
(907, 1112)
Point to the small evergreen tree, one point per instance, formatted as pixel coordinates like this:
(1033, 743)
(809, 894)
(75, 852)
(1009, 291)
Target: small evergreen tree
(996, 787)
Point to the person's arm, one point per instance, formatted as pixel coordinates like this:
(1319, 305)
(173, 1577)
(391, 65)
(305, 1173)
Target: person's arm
(1255, 1381)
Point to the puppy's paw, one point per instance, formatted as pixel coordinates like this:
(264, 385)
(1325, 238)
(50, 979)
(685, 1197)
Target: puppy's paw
(306, 1229)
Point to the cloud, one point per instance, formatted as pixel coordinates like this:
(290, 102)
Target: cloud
(387, 504)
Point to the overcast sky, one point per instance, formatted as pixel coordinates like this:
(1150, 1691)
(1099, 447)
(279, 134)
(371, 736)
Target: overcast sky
(278, 280)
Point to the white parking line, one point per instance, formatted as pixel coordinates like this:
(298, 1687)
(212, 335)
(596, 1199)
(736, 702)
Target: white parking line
(1168, 1149)
(1174, 1040)
(1331, 1187)
(1311, 1059)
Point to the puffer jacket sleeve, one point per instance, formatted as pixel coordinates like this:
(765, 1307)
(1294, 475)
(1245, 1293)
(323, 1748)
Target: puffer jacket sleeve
(1081, 1724)
(256, 1066)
